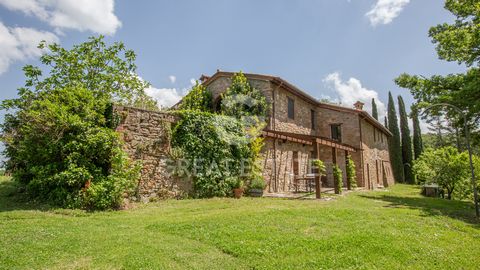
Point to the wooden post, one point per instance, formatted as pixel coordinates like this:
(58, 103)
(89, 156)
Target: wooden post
(318, 182)
(349, 185)
(334, 160)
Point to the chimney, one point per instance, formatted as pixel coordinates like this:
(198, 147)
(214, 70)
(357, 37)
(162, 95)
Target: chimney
(359, 105)
(203, 78)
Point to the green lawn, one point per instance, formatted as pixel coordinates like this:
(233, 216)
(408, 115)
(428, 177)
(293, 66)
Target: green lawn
(395, 229)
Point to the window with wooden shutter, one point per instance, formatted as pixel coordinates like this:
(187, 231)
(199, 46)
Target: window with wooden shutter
(336, 130)
(312, 118)
(291, 108)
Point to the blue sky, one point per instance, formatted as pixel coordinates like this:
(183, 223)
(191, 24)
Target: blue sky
(344, 50)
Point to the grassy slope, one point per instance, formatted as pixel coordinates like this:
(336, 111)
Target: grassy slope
(389, 230)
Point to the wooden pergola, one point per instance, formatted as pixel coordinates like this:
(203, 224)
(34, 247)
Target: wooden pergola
(317, 141)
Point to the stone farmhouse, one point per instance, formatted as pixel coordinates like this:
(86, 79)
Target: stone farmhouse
(300, 128)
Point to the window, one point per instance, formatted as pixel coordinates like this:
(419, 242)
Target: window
(291, 108)
(336, 132)
(312, 118)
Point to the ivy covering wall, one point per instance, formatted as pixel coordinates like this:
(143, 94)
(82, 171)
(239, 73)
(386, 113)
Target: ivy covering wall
(220, 151)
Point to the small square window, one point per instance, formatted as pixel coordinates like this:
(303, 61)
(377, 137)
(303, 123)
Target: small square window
(336, 132)
(291, 108)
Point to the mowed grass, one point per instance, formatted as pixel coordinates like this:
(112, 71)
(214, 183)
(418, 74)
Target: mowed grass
(394, 229)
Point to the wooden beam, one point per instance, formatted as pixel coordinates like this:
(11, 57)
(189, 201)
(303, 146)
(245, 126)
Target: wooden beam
(284, 137)
(318, 180)
(336, 145)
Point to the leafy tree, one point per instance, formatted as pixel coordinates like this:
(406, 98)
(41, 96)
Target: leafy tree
(243, 101)
(446, 167)
(417, 134)
(60, 148)
(107, 71)
(458, 42)
(406, 139)
(394, 146)
(374, 109)
(351, 174)
(58, 132)
(198, 99)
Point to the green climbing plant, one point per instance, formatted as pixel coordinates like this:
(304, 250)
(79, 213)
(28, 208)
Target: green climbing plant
(198, 99)
(351, 174)
(338, 179)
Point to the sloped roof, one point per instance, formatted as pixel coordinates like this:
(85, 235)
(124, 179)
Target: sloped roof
(206, 80)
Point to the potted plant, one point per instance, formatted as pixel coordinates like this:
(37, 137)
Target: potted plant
(238, 189)
(256, 187)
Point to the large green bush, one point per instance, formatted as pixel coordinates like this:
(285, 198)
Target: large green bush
(448, 168)
(58, 132)
(215, 152)
(60, 148)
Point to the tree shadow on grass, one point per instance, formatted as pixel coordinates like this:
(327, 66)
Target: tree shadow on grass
(12, 199)
(460, 210)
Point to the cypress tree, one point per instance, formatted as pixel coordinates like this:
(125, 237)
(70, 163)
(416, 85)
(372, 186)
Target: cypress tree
(417, 134)
(394, 142)
(374, 109)
(407, 153)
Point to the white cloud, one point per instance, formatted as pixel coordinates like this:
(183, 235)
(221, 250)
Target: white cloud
(20, 43)
(172, 79)
(384, 11)
(83, 15)
(165, 97)
(352, 91)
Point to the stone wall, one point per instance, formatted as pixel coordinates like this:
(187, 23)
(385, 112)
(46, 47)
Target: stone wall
(279, 159)
(370, 158)
(301, 124)
(376, 158)
(146, 136)
(220, 85)
(349, 125)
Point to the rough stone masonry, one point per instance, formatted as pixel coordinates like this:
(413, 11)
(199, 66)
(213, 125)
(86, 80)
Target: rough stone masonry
(146, 136)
